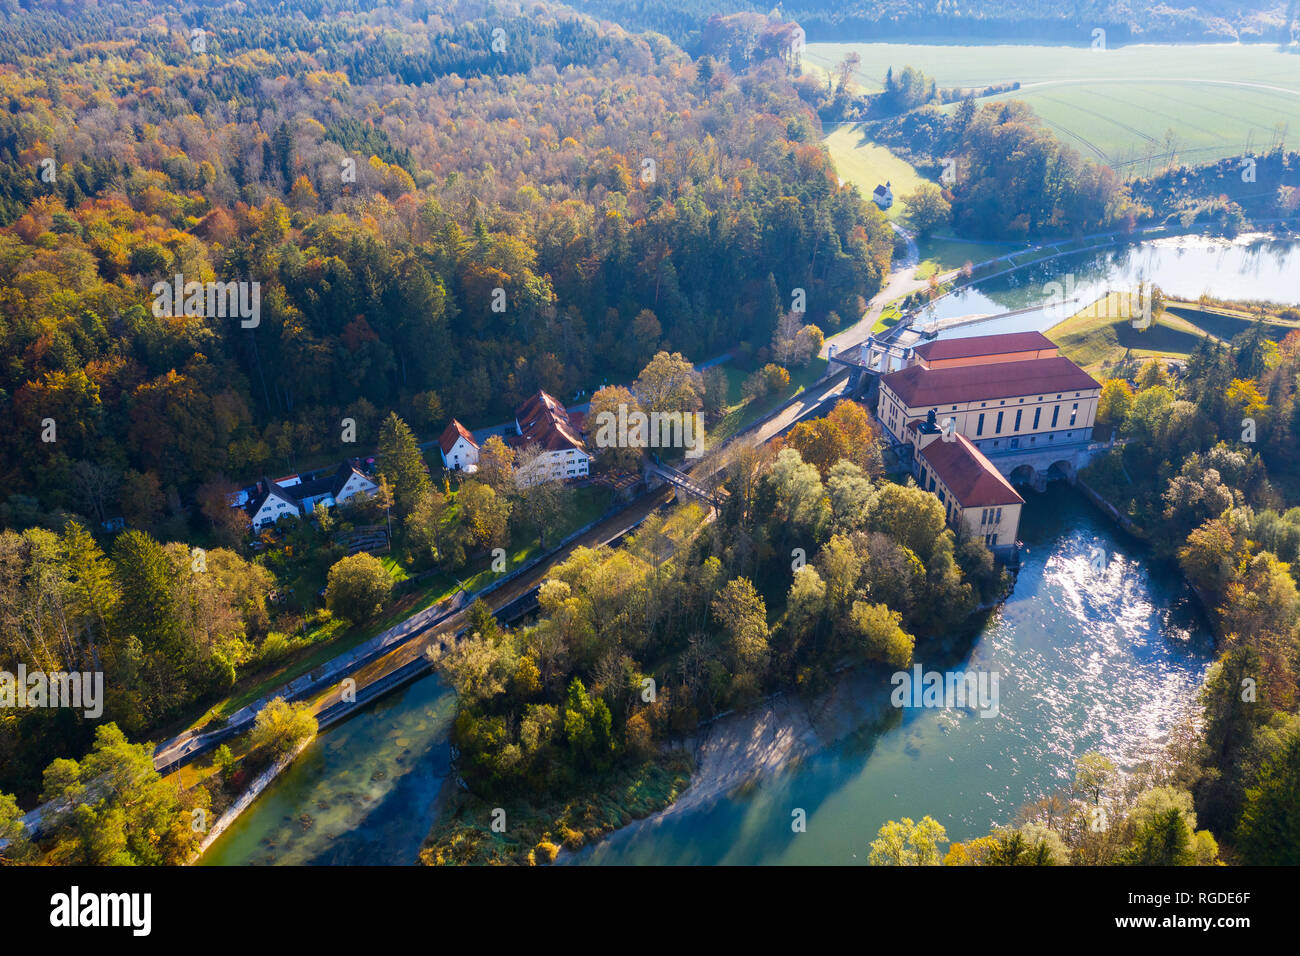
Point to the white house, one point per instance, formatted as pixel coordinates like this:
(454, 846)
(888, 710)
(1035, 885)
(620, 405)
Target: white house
(270, 504)
(273, 500)
(883, 195)
(543, 422)
(458, 447)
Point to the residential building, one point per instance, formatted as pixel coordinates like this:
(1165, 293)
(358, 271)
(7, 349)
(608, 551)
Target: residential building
(270, 500)
(883, 195)
(543, 422)
(458, 447)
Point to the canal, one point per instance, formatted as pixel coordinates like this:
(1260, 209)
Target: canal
(1086, 659)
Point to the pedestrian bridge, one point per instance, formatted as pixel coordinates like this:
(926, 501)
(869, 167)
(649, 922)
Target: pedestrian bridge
(683, 483)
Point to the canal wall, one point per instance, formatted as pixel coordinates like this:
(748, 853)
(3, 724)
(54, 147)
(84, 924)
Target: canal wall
(245, 799)
(1121, 519)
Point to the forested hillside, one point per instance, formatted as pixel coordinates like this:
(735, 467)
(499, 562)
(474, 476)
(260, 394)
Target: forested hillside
(1143, 21)
(380, 174)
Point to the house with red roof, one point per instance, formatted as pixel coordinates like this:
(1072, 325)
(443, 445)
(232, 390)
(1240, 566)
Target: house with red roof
(458, 447)
(974, 494)
(543, 423)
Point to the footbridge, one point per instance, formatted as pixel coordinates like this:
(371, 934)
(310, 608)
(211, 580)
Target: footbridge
(683, 482)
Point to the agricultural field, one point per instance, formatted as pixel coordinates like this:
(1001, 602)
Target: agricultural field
(1136, 108)
(1102, 335)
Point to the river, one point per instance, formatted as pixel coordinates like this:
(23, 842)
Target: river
(1084, 660)
(364, 792)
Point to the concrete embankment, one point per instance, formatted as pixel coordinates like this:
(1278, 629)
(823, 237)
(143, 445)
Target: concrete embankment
(245, 799)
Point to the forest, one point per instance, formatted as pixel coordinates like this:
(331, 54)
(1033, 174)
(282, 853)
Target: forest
(385, 179)
(686, 21)
(380, 178)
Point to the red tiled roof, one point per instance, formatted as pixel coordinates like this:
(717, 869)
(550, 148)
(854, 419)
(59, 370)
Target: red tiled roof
(971, 477)
(918, 386)
(544, 422)
(453, 431)
(978, 345)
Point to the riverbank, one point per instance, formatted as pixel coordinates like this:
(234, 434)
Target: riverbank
(740, 751)
(474, 832)
(851, 761)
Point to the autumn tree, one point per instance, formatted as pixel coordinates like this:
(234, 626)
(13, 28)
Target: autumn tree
(496, 465)
(112, 808)
(280, 726)
(669, 384)
(231, 525)
(927, 209)
(602, 419)
(740, 610)
(357, 587)
(1116, 399)
(907, 842)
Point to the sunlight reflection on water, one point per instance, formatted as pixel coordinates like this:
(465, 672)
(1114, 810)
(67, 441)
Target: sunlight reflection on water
(1087, 659)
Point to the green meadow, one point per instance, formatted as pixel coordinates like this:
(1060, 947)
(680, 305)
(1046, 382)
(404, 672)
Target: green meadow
(859, 161)
(1135, 108)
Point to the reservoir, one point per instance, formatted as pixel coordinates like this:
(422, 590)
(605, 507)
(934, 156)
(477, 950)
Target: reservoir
(1249, 268)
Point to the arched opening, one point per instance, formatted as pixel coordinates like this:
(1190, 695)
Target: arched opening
(1061, 471)
(1022, 475)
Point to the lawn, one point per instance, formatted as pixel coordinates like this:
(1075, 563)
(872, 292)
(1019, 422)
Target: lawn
(889, 317)
(741, 414)
(867, 165)
(1117, 105)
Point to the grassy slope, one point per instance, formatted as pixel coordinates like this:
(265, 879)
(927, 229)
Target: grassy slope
(867, 165)
(741, 413)
(1101, 334)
